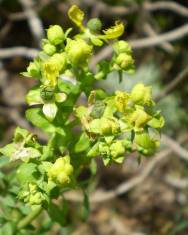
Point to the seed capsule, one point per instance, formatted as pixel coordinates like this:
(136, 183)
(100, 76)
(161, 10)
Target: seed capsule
(94, 25)
(47, 93)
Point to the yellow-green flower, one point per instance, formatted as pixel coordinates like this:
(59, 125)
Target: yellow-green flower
(61, 171)
(117, 149)
(53, 67)
(142, 94)
(78, 52)
(125, 61)
(77, 16)
(114, 32)
(139, 118)
(122, 47)
(147, 144)
(121, 100)
(109, 126)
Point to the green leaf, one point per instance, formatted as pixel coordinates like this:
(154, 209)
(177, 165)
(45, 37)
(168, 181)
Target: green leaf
(9, 149)
(57, 214)
(25, 154)
(26, 172)
(36, 117)
(50, 110)
(9, 201)
(7, 229)
(20, 134)
(33, 97)
(3, 161)
(82, 144)
(95, 126)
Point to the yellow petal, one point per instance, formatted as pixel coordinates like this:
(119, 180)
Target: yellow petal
(115, 31)
(77, 16)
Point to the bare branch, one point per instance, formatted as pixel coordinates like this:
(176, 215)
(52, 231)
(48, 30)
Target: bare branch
(170, 36)
(121, 10)
(34, 21)
(173, 84)
(167, 5)
(25, 52)
(175, 147)
(151, 32)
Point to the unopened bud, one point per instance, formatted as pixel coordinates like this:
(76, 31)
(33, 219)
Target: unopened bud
(49, 49)
(55, 35)
(122, 47)
(78, 51)
(141, 94)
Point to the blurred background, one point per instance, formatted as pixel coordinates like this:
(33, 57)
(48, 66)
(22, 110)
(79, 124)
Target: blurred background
(146, 198)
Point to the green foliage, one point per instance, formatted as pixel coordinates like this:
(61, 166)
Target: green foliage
(110, 126)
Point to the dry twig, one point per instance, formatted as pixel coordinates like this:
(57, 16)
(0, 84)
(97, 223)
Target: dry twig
(107, 10)
(34, 21)
(151, 32)
(167, 5)
(25, 52)
(173, 84)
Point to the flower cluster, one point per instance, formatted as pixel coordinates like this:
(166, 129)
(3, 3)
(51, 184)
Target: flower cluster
(122, 123)
(110, 126)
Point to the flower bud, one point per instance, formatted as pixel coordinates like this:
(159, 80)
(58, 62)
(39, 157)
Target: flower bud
(94, 25)
(47, 93)
(117, 149)
(61, 171)
(55, 35)
(141, 94)
(139, 118)
(36, 198)
(146, 144)
(109, 126)
(122, 47)
(63, 178)
(121, 100)
(49, 49)
(104, 149)
(78, 51)
(125, 61)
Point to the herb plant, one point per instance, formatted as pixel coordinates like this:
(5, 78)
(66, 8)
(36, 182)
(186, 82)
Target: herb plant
(82, 123)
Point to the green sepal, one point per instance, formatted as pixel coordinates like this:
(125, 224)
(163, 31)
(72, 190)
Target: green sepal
(94, 150)
(35, 116)
(82, 144)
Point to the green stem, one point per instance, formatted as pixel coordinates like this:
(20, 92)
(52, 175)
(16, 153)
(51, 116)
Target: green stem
(29, 218)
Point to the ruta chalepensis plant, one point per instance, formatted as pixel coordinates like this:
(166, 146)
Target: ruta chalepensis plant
(109, 126)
